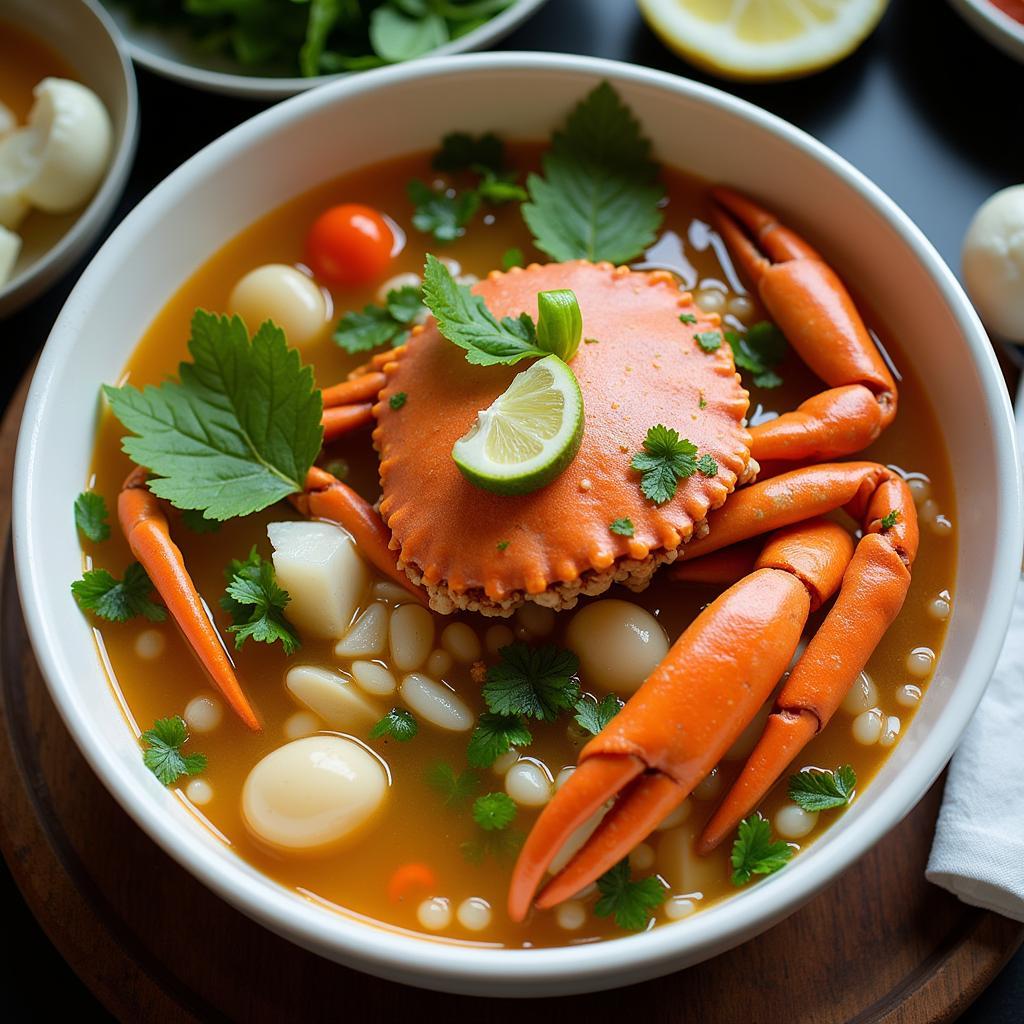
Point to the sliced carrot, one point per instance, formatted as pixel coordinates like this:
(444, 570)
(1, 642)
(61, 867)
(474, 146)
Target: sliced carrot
(408, 878)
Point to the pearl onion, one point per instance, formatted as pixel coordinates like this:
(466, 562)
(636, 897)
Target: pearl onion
(920, 489)
(641, 858)
(709, 787)
(862, 696)
(497, 637)
(571, 915)
(538, 620)
(710, 300)
(891, 731)
(921, 662)
(461, 642)
(199, 792)
(908, 695)
(867, 727)
(528, 784)
(939, 608)
(563, 776)
(505, 761)
(285, 295)
(792, 822)
(203, 713)
(150, 644)
(941, 526)
(434, 914)
(302, 723)
(678, 907)
(741, 307)
(474, 914)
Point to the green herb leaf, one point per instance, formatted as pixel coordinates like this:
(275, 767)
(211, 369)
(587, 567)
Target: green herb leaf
(461, 152)
(598, 198)
(707, 466)
(465, 320)
(593, 715)
(240, 429)
(817, 790)
(256, 604)
(396, 37)
(439, 214)
(405, 304)
(91, 516)
(500, 188)
(494, 811)
(709, 341)
(454, 789)
(163, 756)
(623, 527)
(117, 600)
(536, 682)
(754, 853)
(758, 351)
(495, 735)
(502, 844)
(890, 519)
(666, 459)
(195, 521)
(512, 258)
(687, 318)
(631, 902)
(398, 723)
(502, 544)
(397, 400)
(380, 325)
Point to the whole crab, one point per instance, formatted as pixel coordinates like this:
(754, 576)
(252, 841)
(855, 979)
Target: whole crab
(455, 546)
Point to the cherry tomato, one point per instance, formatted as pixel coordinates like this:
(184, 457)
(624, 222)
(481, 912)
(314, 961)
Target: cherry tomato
(349, 245)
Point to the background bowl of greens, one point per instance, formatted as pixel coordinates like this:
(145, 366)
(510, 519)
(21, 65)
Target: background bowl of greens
(269, 49)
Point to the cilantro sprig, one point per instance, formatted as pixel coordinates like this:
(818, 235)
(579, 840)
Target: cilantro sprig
(623, 527)
(494, 811)
(495, 735)
(256, 604)
(398, 723)
(162, 754)
(453, 789)
(630, 901)
(91, 516)
(117, 600)
(236, 432)
(754, 852)
(666, 459)
(890, 519)
(758, 352)
(593, 715)
(380, 325)
(815, 789)
(534, 682)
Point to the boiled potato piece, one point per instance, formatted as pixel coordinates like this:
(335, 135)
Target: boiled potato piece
(333, 696)
(319, 566)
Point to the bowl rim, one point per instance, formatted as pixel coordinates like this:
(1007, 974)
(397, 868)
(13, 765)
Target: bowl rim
(90, 221)
(451, 966)
(274, 87)
(994, 25)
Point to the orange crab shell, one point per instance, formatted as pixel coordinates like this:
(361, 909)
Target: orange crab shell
(639, 366)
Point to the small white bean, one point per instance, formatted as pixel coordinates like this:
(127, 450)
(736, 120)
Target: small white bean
(497, 637)
(505, 761)
(921, 662)
(374, 678)
(563, 776)
(920, 488)
(571, 915)
(867, 727)
(928, 510)
(333, 696)
(908, 695)
(203, 713)
(710, 300)
(396, 283)
(385, 590)
(150, 644)
(536, 619)
(528, 784)
(793, 822)
(891, 731)
(862, 696)
(302, 723)
(436, 703)
(199, 792)
(461, 642)
(676, 817)
(742, 307)
(439, 664)
(709, 787)
(474, 914)
(367, 636)
(434, 914)
(941, 526)
(641, 858)
(411, 636)
(678, 907)
(939, 608)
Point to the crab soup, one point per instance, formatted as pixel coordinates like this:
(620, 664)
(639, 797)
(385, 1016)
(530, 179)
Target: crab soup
(384, 737)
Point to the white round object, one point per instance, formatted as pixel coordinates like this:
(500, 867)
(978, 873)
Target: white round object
(939, 608)
(678, 907)
(204, 713)
(434, 914)
(564, 776)
(461, 642)
(861, 696)
(921, 662)
(571, 915)
(993, 262)
(199, 792)
(300, 724)
(867, 727)
(439, 664)
(411, 636)
(793, 822)
(374, 678)
(285, 295)
(641, 857)
(313, 793)
(503, 762)
(474, 914)
(150, 644)
(436, 703)
(890, 731)
(528, 784)
(908, 695)
(618, 643)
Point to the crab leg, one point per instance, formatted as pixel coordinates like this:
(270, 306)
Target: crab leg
(349, 405)
(146, 530)
(678, 725)
(818, 317)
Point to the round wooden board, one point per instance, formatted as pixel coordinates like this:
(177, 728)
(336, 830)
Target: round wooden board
(154, 945)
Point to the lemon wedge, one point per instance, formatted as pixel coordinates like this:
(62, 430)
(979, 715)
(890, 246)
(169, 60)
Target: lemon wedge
(758, 40)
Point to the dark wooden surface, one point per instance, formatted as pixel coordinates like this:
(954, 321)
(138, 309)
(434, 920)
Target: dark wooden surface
(930, 113)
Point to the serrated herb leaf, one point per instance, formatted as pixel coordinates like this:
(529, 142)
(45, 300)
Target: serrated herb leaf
(707, 466)
(495, 735)
(754, 852)
(162, 754)
(666, 459)
(817, 790)
(237, 432)
(535, 682)
(758, 352)
(256, 604)
(117, 600)
(593, 715)
(623, 527)
(494, 811)
(453, 789)
(502, 844)
(398, 723)
(91, 516)
(380, 325)
(630, 902)
(598, 197)
(709, 341)
(440, 214)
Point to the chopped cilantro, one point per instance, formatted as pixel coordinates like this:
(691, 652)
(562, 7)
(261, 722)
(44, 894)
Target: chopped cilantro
(591, 341)
(502, 844)
(117, 600)
(709, 341)
(397, 400)
(163, 756)
(502, 544)
(195, 521)
(237, 432)
(817, 790)
(623, 527)
(256, 604)
(707, 466)
(398, 723)
(630, 902)
(598, 198)
(758, 352)
(380, 325)
(441, 214)
(91, 516)
(495, 735)
(453, 789)
(702, 402)
(536, 682)
(593, 715)
(494, 811)
(754, 853)
(687, 318)
(512, 258)
(666, 459)
(890, 519)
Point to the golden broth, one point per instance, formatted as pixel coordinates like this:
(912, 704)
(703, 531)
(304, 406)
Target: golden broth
(415, 825)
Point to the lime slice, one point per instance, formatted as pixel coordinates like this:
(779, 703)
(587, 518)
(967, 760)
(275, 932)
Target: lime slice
(528, 435)
(763, 39)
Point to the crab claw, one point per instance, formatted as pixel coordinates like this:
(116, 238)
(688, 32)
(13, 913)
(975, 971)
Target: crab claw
(145, 527)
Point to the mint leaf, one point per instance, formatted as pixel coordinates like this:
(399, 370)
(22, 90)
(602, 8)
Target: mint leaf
(91, 516)
(758, 351)
(631, 902)
(238, 431)
(536, 682)
(439, 214)
(256, 604)
(598, 198)
(754, 853)
(163, 756)
(593, 716)
(398, 723)
(117, 600)
(666, 459)
(465, 320)
(495, 735)
(817, 790)
(494, 811)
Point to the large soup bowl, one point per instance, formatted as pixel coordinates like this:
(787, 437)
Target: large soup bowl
(328, 132)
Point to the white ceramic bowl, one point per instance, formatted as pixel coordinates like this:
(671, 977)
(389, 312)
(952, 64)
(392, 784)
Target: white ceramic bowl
(995, 25)
(294, 146)
(171, 53)
(83, 34)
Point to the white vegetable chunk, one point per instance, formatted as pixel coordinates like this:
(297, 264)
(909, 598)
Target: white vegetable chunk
(319, 566)
(10, 246)
(285, 295)
(368, 636)
(993, 262)
(312, 793)
(333, 696)
(435, 703)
